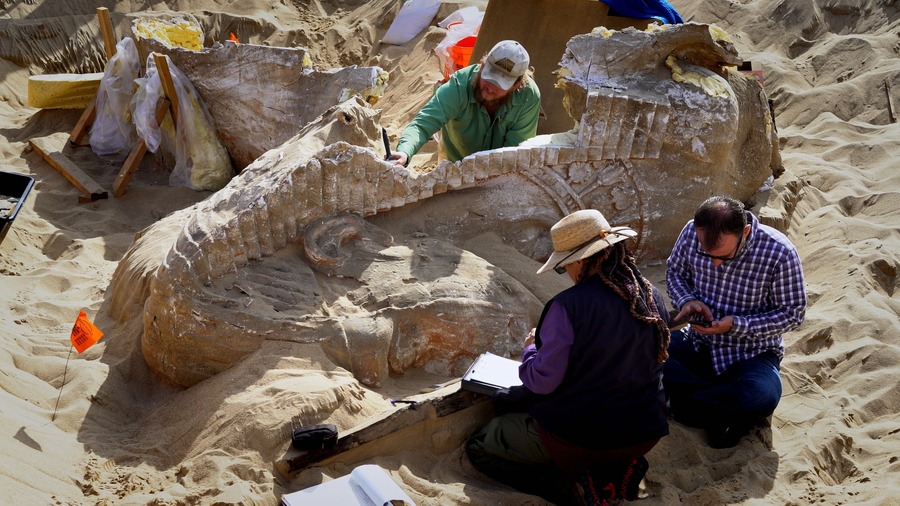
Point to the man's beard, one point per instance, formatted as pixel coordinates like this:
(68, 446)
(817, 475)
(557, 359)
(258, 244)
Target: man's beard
(484, 102)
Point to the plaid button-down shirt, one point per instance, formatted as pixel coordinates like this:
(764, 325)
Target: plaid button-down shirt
(762, 288)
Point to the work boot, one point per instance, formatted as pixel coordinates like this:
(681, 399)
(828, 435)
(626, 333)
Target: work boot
(629, 485)
(727, 436)
(589, 490)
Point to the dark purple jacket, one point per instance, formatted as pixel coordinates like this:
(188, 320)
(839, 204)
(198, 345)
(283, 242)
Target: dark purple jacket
(611, 395)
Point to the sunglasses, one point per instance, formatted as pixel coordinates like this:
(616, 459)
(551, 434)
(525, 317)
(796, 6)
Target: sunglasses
(561, 269)
(724, 259)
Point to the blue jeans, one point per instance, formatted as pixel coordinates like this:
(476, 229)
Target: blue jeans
(743, 394)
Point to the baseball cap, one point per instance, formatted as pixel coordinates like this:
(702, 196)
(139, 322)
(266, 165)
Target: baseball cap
(505, 63)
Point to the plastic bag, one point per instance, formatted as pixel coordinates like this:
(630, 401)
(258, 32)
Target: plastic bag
(455, 50)
(466, 15)
(413, 17)
(112, 133)
(143, 107)
(201, 160)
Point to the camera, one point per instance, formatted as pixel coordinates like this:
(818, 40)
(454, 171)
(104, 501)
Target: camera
(699, 322)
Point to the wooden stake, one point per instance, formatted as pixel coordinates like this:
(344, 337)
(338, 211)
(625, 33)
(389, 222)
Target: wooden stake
(90, 113)
(167, 103)
(168, 87)
(106, 28)
(892, 111)
(137, 153)
(84, 122)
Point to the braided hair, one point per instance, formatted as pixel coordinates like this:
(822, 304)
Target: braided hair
(616, 267)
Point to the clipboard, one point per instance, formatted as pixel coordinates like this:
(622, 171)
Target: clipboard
(490, 373)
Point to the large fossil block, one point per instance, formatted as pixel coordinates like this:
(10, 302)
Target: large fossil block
(261, 96)
(665, 109)
(283, 252)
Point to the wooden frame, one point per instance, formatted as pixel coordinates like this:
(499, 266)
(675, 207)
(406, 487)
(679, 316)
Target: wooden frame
(51, 150)
(459, 411)
(53, 154)
(167, 103)
(90, 113)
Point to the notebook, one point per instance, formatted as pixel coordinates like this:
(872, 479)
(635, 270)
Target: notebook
(490, 373)
(366, 485)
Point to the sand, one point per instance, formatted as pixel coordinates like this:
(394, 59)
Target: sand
(99, 428)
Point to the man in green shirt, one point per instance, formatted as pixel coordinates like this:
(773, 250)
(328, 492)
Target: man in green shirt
(490, 105)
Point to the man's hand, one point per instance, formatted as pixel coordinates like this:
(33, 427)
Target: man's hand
(716, 326)
(692, 308)
(530, 339)
(699, 310)
(399, 158)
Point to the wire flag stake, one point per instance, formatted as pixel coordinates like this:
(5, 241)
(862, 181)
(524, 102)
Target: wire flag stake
(84, 335)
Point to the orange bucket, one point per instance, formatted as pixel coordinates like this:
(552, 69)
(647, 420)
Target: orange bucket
(461, 53)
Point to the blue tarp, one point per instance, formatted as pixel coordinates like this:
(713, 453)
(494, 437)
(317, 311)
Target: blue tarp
(644, 9)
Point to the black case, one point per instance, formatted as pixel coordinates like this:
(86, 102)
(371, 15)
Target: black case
(314, 437)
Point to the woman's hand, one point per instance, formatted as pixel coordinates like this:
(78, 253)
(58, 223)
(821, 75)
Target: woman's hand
(530, 339)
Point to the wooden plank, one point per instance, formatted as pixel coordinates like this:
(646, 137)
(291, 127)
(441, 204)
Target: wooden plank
(168, 87)
(52, 152)
(892, 111)
(106, 29)
(137, 153)
(556, 21)
(388, 424)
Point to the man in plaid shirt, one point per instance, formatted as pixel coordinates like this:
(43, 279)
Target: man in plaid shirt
(741, 285)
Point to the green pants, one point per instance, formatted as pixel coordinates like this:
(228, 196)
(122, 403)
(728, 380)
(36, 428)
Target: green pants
(509, 449)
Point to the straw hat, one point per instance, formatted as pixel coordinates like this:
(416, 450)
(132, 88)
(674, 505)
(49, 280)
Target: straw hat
(580, 235)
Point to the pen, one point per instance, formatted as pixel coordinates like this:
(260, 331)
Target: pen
(387, 144)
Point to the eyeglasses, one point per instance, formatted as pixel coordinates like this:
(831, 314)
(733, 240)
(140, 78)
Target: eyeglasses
(724, 259)
(560, 269)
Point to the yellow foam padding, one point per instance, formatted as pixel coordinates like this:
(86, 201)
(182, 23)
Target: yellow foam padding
(177, 32)
(718, 34)
(63, 91)
(372, 94)
(603, 31)
(708, 83)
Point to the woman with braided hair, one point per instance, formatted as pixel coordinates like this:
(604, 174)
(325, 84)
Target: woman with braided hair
(591, 404)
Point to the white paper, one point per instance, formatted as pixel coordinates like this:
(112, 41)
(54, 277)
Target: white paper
(494, 370)
(378, 486)
(367, 485)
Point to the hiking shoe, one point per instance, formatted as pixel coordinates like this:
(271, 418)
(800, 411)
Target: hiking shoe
(726, 436)
(631, 482)
(589, 491)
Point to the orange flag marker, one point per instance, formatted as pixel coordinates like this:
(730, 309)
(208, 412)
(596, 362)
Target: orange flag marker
(84, 334)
